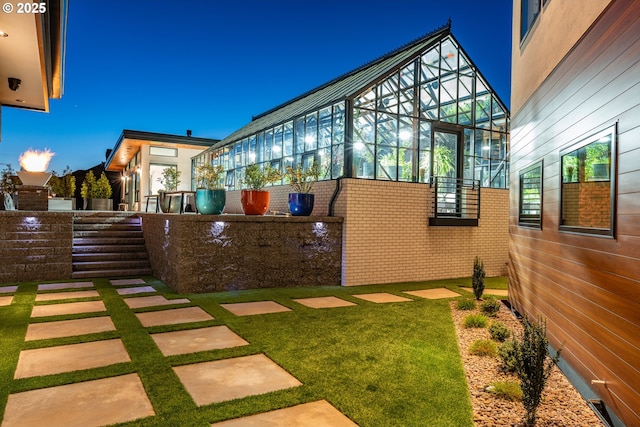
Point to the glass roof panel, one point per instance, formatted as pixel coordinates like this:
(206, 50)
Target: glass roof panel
(407, 76)
(430, 64)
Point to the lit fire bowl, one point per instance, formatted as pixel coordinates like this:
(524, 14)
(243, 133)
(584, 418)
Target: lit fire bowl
(36, 179)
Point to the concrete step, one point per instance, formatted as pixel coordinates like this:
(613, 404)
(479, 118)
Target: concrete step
(111, 265)
(109, 256)
(106, 218)
(92, 249)
(107, 227)
(101, 241)
(88, 274)
(108, 233)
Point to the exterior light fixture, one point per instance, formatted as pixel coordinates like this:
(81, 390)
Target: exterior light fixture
(358, 145)
(3, 34)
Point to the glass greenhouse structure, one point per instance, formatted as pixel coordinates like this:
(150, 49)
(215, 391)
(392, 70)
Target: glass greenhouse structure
(420, 112)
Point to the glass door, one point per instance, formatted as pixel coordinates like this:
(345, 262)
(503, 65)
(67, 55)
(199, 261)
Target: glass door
(446, 171)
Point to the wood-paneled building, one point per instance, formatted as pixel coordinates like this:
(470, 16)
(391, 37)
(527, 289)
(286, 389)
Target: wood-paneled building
(575, 190)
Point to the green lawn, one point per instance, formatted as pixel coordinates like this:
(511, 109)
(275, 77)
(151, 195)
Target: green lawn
(394, 364)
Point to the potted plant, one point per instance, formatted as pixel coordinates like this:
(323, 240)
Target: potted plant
(170, 179)
(8, 183)
(254, 199)
(210, 194)
(96, 192)
(63, 190)
(302, 181)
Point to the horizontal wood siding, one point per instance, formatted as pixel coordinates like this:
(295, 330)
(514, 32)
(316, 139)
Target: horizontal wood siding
(587, 287)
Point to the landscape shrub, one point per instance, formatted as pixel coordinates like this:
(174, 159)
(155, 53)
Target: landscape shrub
(508, 390)
(507, 352)
(490, 306)
(499, 331)
(475, 321)
(533, 366)
(466, 304)
(483, 348)
(477, 279)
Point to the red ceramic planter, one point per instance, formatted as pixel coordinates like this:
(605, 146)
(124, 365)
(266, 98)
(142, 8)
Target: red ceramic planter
(254, 202)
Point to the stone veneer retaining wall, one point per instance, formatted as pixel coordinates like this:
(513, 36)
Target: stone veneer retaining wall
(205, 253)
(35, 246)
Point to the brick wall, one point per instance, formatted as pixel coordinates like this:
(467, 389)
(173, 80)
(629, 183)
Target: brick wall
(387, 237)
(205, 253)
(35, 246)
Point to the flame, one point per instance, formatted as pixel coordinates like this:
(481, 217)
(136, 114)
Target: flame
(35, 160)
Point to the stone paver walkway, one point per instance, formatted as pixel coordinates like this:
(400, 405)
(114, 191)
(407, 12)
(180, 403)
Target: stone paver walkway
(125, 282)
(67, 308)
(194, 340)
(58, 286)
(123, 398)
(68, 328)
(153, 301)
(173, 316)
(136, 290)
(324, 302)
(253, 308)
(67, 358)
(313, 414)
(436, 293)
(56, 296)
(228, 379)
(382, 297)
(86, 404)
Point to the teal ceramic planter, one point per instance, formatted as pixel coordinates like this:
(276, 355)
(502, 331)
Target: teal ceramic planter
(210, 202)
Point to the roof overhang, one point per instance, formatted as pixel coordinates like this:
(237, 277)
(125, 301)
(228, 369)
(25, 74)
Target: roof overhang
(130, 142)
(33, 52)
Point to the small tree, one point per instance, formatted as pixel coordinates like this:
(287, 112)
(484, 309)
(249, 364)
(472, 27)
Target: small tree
(65, 185)
(208, 177)
(477, 280)
(8, 183)
(256, 178)
(87, 188)
(302, 180)
(170, 178)
(102, 189)
(533, 365)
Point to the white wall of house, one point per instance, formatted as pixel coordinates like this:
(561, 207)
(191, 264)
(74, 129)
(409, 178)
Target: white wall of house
(182, 162)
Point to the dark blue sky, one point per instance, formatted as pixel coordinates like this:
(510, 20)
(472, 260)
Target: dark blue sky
(171, 65)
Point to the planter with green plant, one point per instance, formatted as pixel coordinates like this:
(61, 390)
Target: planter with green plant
(210, 194)
(254, 199)
(96, 192)
(170, 179)
(63, 190)
(302, 181)
(8, 181)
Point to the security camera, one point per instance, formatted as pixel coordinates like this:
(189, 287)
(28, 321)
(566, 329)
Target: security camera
(14, 83)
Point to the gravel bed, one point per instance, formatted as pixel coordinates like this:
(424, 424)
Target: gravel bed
(561, 405)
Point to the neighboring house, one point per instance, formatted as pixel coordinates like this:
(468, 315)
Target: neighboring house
(32, 56)
(412, 147)
(575, 190)
(140, 158)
